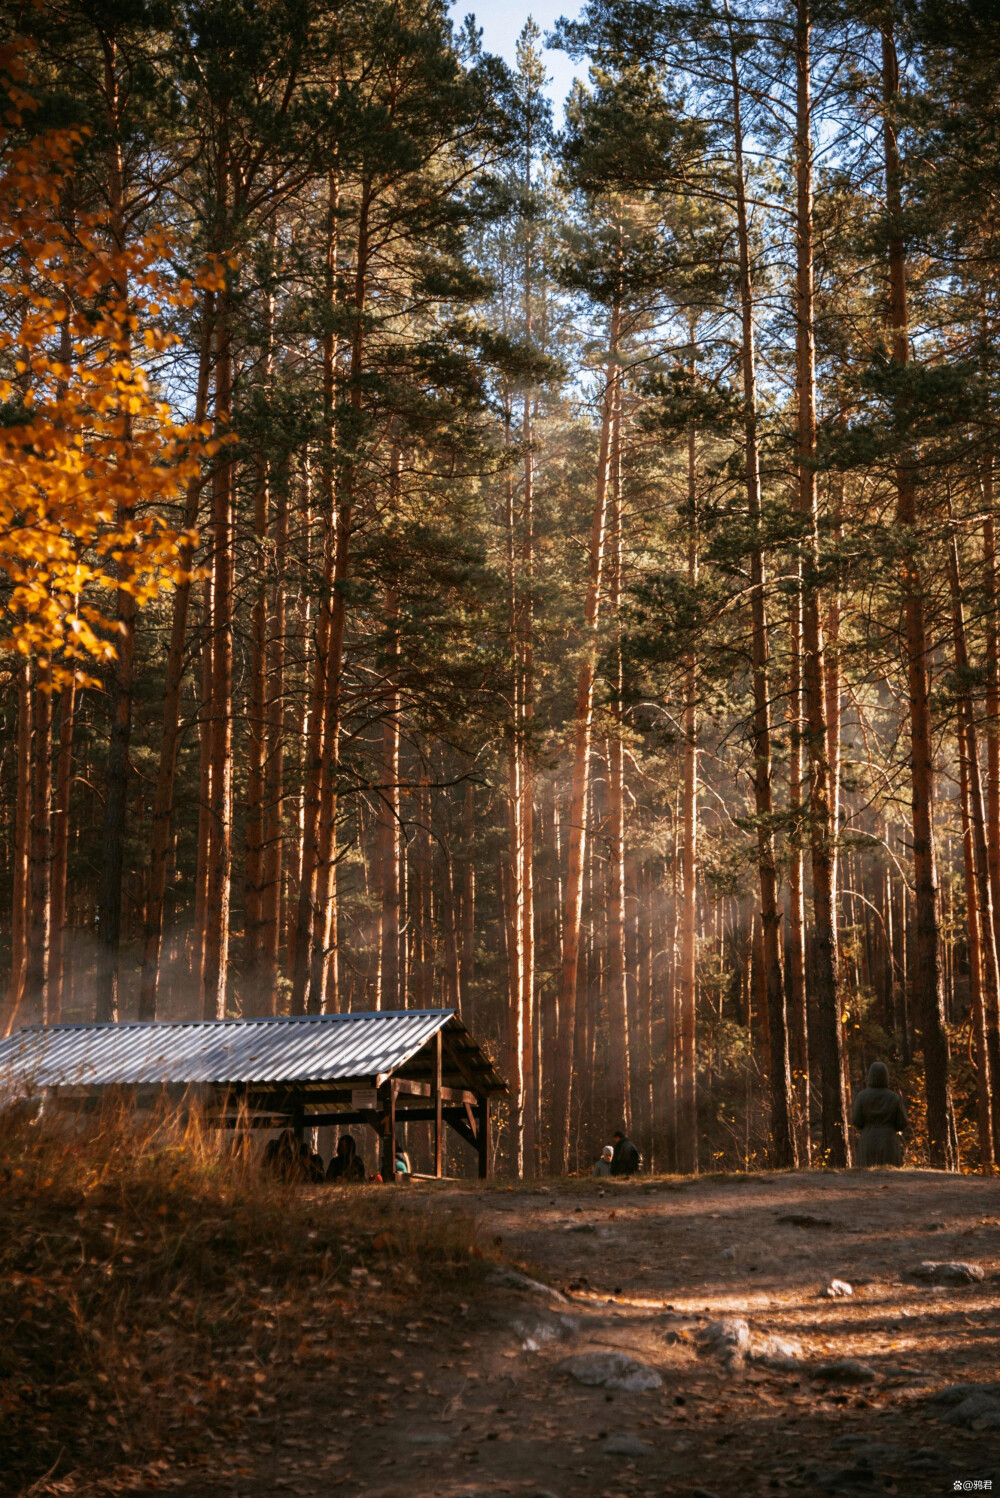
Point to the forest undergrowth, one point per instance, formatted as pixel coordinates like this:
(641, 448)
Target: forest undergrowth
(157, 1288)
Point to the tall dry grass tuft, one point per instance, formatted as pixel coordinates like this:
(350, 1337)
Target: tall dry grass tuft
(158, 1288)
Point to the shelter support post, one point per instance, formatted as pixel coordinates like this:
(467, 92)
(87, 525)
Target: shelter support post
(483, 1136)
(438, 1120)
(387, 1130)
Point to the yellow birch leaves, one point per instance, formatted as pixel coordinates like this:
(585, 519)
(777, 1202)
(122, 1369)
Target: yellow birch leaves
(90, 458)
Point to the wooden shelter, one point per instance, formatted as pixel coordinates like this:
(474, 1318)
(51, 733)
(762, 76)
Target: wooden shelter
(380, 1068)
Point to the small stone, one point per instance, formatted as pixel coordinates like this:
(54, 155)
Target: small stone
(843, 1371)
(838, 1290)
(779, 1353)
(805, 1220)
(978, 1406)
(535, 1331)
(956, 1393)
(728, 1339)
(627, 1445)
(954, 1272)
(728, 1253)
(611, 1370)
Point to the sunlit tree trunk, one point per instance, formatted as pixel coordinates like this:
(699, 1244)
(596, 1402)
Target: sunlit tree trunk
(992, 630)
(822, 827)
(980, 894)
(619, 1078)
(109, 918)
(795, 945)
(576, 835)
(467, 963)
(782, 1138)
(687, 1098)
(58, 985)
(271, 901)
(973, 918)
(204, 780)
(387, 834)
(36, 968)
(220, 719)
(257, 717)
(163, 799)
(927, 995)
(22, 847)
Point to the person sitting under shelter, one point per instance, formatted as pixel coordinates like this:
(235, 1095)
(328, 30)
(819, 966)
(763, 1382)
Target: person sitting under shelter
(292, 1159)
(345, 1165)
(281, 1154)
(880, 1116)
(624, 1157)
(603, 1165)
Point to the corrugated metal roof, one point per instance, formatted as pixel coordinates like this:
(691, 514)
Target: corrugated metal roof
(287, 1049)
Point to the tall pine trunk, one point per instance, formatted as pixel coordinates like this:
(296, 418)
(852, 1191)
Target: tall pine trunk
(387, 827)
(163, 798)
(992, 630)
(822, 829)
(795, 944)
(21, 849)
(271, 899)
(926, 970)
(36, 975)
(620, 1061)
(687, 1099)
(974, 928)
(980, 894)
(220, 719)
(782, 1139)
(576, 837)
(112, 871)
(58, 985)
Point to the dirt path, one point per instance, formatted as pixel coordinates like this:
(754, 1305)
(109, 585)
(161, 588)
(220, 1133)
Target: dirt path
(463, 1397)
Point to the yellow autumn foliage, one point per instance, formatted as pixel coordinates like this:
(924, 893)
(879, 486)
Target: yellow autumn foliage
(89, 456)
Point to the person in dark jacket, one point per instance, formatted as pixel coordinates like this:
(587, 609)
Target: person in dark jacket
(345, 1165)
(879, 1114)
(281, 1155)
(625, 1157)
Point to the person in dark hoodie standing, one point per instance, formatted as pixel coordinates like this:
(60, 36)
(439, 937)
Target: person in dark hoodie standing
(880, 1116)
(625, 1158)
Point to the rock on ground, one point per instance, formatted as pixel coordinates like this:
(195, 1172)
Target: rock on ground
(535, 1329)
(952, 1272)
(728, 1339)
(843, 1371)
(627, 1445)
(611, 1370)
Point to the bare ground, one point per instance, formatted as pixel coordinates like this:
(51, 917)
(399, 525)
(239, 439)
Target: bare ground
(459, 1393)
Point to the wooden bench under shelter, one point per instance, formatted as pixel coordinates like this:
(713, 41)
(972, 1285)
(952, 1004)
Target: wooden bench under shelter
(380, 1068)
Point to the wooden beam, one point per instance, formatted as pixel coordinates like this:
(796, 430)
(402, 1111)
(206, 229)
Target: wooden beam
(457, 1061)
(426, 1089)
(436, 1095)
(449, 1113)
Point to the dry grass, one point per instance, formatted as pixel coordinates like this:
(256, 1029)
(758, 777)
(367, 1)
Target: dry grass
(157, 1288)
